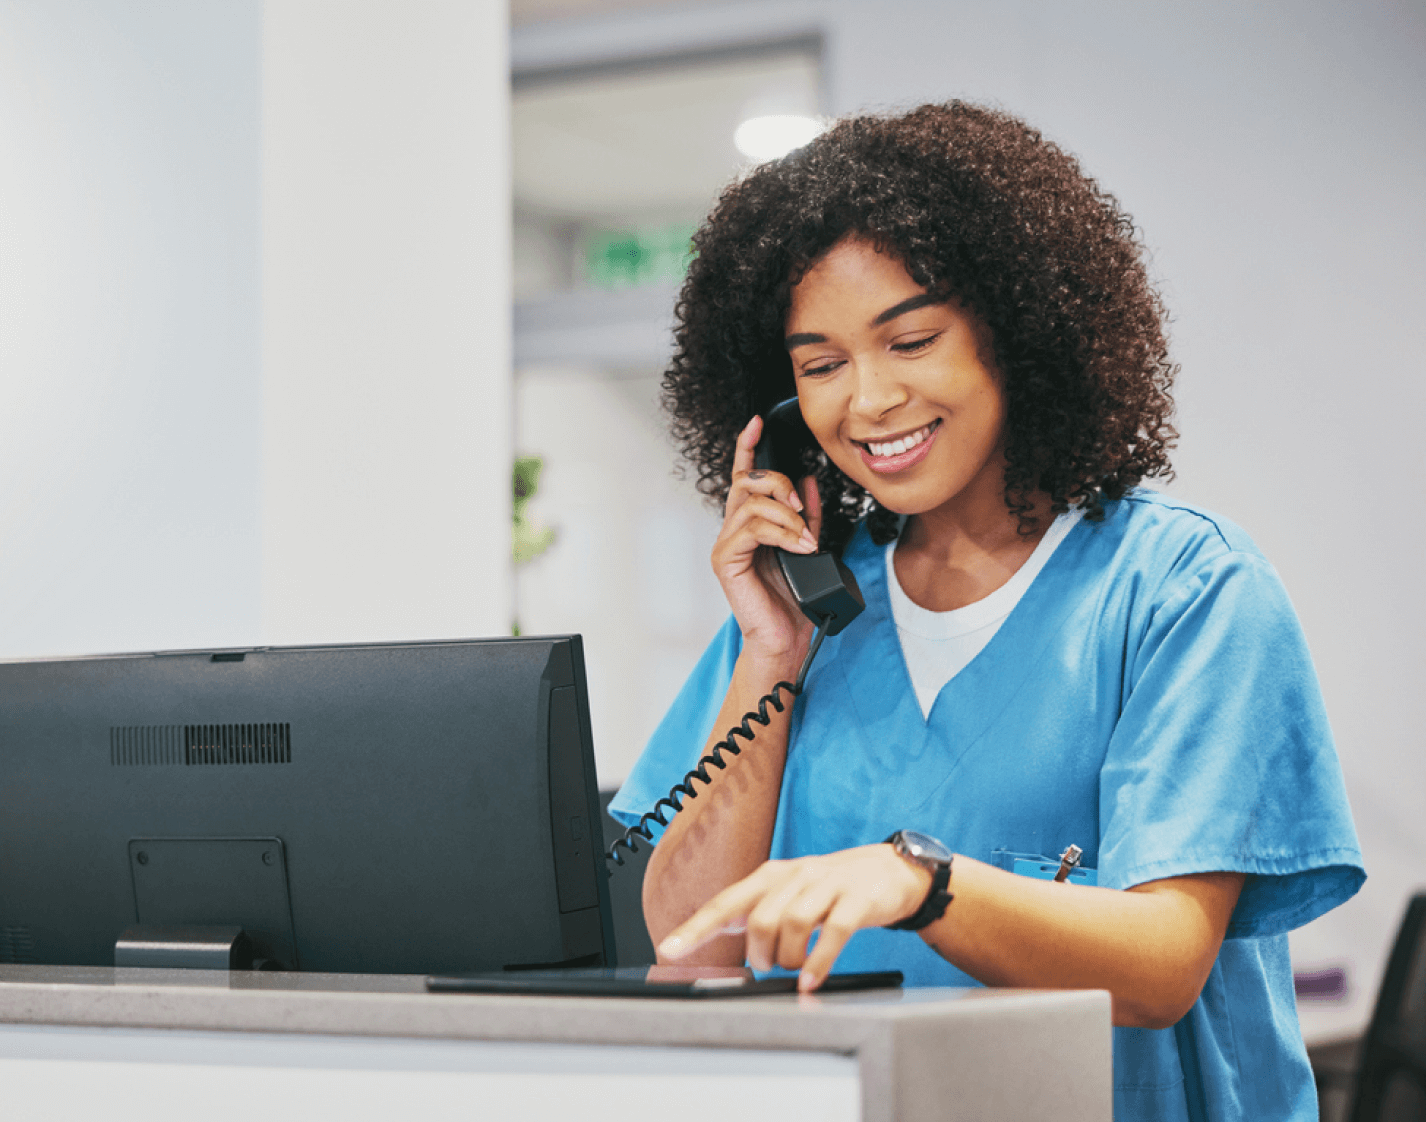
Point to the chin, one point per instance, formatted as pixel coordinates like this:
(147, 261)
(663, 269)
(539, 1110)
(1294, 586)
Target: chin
(904, 508)
(898, 503)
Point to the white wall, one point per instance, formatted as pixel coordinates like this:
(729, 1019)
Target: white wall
(129, 416)
(254, 374)
(1273, 154)
(386, 369)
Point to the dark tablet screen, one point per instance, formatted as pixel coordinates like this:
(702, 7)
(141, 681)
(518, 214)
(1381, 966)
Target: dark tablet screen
(650, 981)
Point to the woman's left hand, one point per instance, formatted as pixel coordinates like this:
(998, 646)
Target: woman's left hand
(784, 902)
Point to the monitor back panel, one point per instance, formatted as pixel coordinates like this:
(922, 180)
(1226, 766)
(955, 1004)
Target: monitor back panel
(418, 807)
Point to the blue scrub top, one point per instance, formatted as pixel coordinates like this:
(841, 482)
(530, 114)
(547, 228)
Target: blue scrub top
(1151, 700)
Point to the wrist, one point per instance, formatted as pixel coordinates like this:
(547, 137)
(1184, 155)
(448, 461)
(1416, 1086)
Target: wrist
(763, 667)
(934, 858)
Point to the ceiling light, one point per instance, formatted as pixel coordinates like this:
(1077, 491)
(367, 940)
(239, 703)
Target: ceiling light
(767, 138)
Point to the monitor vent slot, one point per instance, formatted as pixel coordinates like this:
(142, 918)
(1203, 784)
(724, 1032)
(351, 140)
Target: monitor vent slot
(237, 744)
(146, 745)
(17, 946)
(200, 745)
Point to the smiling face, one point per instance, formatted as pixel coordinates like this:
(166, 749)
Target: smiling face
(898, 388)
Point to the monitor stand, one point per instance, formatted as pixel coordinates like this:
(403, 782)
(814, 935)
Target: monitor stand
(208, 903)
(186, 948)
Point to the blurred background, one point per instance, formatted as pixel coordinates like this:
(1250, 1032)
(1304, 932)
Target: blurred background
(287, 287)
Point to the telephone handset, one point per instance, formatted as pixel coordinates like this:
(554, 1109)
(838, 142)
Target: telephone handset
(825, 590)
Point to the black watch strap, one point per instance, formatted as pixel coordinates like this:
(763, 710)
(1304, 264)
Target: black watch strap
(934, 906)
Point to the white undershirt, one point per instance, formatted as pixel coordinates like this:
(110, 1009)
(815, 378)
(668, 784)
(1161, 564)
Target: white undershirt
(939, 645)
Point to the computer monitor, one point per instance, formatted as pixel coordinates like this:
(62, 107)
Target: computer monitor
(382, 808)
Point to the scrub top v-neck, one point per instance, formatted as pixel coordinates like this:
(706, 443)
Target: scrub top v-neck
(938, 645)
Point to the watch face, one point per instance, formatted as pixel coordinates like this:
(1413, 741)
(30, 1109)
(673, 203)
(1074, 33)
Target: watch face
(924, 845)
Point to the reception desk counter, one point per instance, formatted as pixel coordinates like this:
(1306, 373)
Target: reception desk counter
(78, 1042)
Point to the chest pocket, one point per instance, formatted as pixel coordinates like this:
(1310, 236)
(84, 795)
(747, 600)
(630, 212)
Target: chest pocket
(1039, 867)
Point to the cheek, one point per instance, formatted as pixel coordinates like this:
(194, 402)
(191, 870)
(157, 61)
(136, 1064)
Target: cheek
(986, 409)
(822, 417)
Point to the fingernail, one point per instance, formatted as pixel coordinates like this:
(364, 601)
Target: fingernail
(795, 502)
(671, 947)
(806, 981)
(809, 541)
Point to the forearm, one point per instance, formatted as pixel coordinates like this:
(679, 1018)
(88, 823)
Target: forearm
(1151, 947)
(726, 832)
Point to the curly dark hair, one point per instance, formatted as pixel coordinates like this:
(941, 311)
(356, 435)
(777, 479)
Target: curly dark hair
(981, 209)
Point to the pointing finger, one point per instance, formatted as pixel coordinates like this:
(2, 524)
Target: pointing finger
(726, 913)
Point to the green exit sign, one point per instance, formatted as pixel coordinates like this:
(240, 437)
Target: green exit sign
(626, 258)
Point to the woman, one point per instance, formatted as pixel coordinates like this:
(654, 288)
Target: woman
(1050, 656)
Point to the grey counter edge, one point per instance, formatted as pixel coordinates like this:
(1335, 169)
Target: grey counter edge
(899, 1041)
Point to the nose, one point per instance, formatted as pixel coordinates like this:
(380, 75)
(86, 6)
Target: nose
(878, 390)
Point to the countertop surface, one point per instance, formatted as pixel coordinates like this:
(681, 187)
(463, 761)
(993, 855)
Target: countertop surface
(398, 1005)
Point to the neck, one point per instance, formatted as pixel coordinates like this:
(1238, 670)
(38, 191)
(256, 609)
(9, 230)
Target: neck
(987, 526)
(950, 557)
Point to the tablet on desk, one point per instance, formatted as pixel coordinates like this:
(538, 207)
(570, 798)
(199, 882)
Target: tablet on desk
(650, 981)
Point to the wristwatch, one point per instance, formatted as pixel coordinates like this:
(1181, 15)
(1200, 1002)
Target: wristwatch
(935, 858)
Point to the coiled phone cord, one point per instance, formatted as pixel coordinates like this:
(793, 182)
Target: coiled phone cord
(685, 789)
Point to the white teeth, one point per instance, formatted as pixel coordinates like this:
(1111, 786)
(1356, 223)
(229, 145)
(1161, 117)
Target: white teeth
(896, 447)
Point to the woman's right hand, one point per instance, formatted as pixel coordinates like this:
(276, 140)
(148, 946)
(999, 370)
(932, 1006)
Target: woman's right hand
(765, 509)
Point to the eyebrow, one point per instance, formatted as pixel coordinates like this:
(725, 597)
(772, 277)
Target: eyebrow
(910, 304)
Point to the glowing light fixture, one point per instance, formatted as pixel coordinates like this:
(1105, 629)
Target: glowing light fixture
(767, 138)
